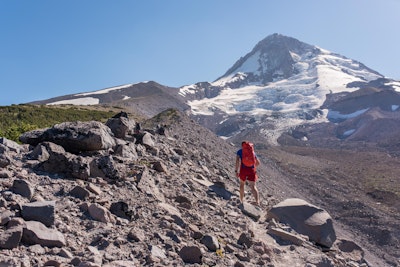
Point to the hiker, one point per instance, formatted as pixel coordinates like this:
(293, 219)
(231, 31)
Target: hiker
(246, 164)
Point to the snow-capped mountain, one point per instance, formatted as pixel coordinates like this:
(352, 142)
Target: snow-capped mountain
(280, 84)
(283, 91)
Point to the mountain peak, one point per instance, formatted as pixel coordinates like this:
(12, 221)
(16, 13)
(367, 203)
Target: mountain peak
(271, 59)
(279, 84)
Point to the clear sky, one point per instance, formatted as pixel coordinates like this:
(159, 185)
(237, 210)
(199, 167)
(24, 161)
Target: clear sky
(50, 48)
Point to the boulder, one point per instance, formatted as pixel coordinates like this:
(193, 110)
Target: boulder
(74, 137)
(11, 145)
(211, 242)
(245, 239)
(33, 137)
(305, 219)
(78, 167)
(57, 159)
(251, 210)
(157, 252)
(286, 236)
(43, 211)
(37, 233)
(11, 237)
(220, 190)
(5, 216)
(121, 209)
(136, 235)
(160, 166)
(107, 167)
(147, 140)
(23, 188)
(39, 153)
(126, 151)
(351, 250)
(5, 160)
(195, 231)
(80, 192)
(100, 213)
(121, 126)
(63, 162)
(191, 254)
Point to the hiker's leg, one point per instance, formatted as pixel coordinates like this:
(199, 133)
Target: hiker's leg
(254, 191)
(241, 190)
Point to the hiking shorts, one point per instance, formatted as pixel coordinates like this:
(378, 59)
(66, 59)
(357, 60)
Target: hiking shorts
(248, 173)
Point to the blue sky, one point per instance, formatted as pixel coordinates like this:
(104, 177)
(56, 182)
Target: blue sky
(50, 48)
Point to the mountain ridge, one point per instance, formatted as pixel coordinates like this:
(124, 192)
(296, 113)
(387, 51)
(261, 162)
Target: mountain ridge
(280, 85)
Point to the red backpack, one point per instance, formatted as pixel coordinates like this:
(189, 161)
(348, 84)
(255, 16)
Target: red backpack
(248, 155)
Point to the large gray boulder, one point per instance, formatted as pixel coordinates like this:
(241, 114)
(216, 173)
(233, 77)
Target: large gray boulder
(74, 137)
(41, 211)
(305, 219)
(100, 213)
(62, 162)
(13, 146)
(37, 233)
(24, 188)
(121, 126)
(191, 254)
(108, 168)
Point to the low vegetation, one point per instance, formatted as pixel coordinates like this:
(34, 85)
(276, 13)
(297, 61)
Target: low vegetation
(17, 119)
(164, 118)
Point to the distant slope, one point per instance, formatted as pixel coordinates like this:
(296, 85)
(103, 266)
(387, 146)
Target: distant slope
(146, 98)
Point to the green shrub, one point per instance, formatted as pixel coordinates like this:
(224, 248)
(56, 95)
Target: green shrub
(17, 119)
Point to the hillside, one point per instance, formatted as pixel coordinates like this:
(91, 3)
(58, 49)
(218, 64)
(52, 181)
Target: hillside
(158, 202)
(360, 189)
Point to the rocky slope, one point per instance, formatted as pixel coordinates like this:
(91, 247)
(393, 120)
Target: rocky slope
(163, 197)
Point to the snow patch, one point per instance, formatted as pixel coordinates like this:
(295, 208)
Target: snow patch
(84, 101)
(349, 132)
(105, 91)
(332, 114)
(395, 85)
(251, 64)
(188, 89)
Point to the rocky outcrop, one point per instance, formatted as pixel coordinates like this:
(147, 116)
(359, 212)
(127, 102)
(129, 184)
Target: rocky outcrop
(168, 200)
(121, 126)
(74, 136)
